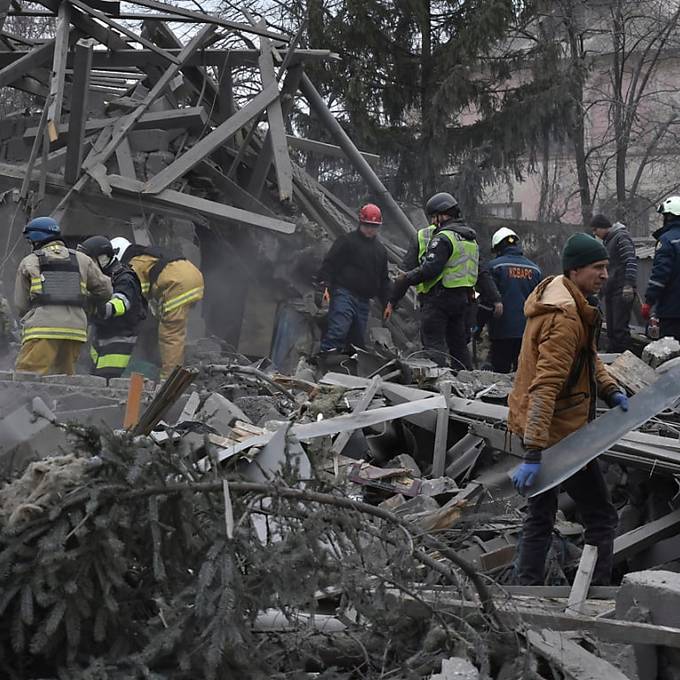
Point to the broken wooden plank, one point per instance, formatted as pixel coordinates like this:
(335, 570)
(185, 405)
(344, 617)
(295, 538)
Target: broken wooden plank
(212, 141)
(82, 66)
(572, 659)
(126, 166)
(550, 592)
(584, 575)
(58, 68)
(441, 434)
(134, 401)
(363, 403)
(25, 62)
(632, 542)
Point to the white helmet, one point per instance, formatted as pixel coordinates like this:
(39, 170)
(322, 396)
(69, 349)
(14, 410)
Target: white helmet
(501, 235)
(671, 206)
(120, 245)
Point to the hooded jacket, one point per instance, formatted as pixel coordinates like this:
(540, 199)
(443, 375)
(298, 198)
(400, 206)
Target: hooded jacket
(56, 322)
(622, 266)
(559, 374)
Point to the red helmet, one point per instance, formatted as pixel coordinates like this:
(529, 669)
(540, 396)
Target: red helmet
(370, 214)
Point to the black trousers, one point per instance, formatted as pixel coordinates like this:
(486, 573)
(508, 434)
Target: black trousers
(504, 354)
(669, 328)
(617, 315)
(443, 327)
(596, 512)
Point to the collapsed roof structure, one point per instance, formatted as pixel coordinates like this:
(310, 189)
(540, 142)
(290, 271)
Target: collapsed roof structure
(143, 135)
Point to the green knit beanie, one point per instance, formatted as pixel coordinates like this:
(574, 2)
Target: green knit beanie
(581, 250)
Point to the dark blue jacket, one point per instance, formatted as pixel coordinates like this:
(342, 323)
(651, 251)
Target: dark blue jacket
(663, 289)
(515, 276)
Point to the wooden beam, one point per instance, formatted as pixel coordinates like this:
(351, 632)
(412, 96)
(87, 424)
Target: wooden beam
(277, 127)
(126, 166)
(363, 403)
(637, 540)
(212, 141)
(58, 68)
(571, 659)
(264, 158)
(121, 28)
(127, 57)
(325, 149)
(81, 82)
(25, 62)
(208, 18)
(584, 575)
(210, 209)
(191, 118)
(129, 121)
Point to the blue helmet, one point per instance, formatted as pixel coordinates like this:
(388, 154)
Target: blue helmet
(41, 229)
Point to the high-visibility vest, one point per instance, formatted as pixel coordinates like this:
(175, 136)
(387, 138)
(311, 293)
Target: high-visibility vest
(460, 270)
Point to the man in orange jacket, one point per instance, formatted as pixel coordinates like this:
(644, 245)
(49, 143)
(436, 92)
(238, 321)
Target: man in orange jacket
(172, 285)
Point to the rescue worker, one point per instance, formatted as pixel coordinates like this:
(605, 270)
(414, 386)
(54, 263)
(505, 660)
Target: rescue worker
(663, 289)
(171, 285)
(50, 295)
(115, 322)
(515, 277)
(353, 272)
(558, 380)
(443, 264)
(619, 291)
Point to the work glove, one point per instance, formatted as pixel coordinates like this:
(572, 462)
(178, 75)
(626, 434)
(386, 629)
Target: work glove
(646, 311)
(523, 477)
(497, 310)
(387, 314)
(628, 293)
(619, 399)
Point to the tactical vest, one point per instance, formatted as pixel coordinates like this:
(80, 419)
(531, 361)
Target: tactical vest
(59, 282)
(163, 260)
(460, 270)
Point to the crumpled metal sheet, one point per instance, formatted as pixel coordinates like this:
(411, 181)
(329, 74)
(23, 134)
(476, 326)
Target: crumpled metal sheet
(572, 453)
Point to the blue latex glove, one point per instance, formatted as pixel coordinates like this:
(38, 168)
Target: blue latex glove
(619, 399)
(523, 477)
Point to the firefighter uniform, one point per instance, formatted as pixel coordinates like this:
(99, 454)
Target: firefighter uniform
(172, 285)
(51, 289)
(115, 326)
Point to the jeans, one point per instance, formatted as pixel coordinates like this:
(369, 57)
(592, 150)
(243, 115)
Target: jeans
(505, 353)
(589, 491)
(347, 321)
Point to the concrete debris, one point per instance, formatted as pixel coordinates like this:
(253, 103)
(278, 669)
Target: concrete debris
(661, 351)
(456, 668)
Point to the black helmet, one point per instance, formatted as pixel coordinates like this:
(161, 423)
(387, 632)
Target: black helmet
(442, 203)
(99, 248)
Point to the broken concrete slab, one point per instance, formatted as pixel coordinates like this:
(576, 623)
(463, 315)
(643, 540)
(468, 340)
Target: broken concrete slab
(456, 668)
(660, 351)
(220, 413)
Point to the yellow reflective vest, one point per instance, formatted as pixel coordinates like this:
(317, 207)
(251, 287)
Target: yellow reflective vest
(460, 270)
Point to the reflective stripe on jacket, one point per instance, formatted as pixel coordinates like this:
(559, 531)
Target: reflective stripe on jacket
(54, 321)
(462, 267)
(179, 283)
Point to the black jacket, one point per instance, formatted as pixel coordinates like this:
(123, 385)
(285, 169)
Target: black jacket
(622, 260)
(126, 285)
(438, 253)
(358, 264)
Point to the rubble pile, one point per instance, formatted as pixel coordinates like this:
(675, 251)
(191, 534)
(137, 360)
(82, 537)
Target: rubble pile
(330, 524)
